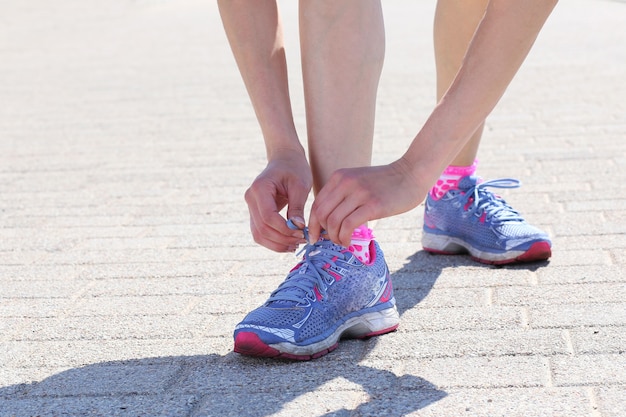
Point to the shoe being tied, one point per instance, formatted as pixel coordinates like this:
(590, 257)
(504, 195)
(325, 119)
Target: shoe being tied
(473, 220)
(327, 296)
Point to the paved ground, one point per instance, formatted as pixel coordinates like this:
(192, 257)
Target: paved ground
(126, 144)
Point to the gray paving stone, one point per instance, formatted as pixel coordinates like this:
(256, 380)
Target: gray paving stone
(14, 381)
(15, 353)
(158, 269)
(506, 402)
(161, 285)
(117, 243)
(605, 369)
(618, 257)
(107, 380)
(573, 274)
(461, 318)
(593, 340)
(561, 294)
(122, 256)
(482, 372)
(339, 403)
(51, 288)
(462, 276)
(596, 204)
(129, 327)
(97, 406)
(34, 307)
(21, 257)
(257, 376)
(593, 224)
(501, 342)
(611, 401)
(574, 315)
(128, 306)
(604, 241)
(581, 257)
(447, 297)
(77, 353)
(223, 304)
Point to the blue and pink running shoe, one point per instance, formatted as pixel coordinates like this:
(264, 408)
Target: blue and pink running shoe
(328, 296)
(473, 220)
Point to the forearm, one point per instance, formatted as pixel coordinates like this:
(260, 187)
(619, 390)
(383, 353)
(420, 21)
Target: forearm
(254, 32)
(500, 45)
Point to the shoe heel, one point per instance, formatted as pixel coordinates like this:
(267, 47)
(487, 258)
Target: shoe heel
(373, 324)
(441, 244)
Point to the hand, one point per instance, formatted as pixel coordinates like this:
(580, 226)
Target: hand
(353, 196)
(285, 181)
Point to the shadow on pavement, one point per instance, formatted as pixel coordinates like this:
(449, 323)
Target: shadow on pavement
(233, 385)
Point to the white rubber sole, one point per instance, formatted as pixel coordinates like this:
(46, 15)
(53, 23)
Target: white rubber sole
(363, 326)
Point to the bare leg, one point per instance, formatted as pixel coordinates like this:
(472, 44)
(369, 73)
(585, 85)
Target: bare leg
(455, 24)
(254, 31)
(255, 34)
(343, 46)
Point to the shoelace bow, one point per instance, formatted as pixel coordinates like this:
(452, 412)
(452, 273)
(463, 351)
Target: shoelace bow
(311, 272)
(478, 199)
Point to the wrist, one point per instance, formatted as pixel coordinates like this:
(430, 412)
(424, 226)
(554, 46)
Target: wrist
(281, 140)
(423, 171)
(289, 150)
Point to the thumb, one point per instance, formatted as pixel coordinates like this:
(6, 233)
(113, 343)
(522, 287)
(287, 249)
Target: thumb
(315, 229)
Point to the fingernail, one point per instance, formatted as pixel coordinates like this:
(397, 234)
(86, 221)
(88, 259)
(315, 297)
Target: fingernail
(299, 221)
(298, 234)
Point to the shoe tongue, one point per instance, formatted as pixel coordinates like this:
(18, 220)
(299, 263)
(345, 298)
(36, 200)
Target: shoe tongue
(468, 182)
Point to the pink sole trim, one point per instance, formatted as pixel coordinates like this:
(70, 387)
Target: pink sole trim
(539, 251)
(378, 333)
(250, 344)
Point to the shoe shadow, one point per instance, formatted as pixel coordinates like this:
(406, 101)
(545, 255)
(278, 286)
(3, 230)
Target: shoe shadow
(234, 385)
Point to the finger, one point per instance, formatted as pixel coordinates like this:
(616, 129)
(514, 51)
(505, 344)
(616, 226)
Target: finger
(336, 220)
(266, 235)
(271, 238)
(315, 228)
(277, 246)
(297, 197)
(358, 217)
(262, 206)
(263, 233)
(329, 197)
